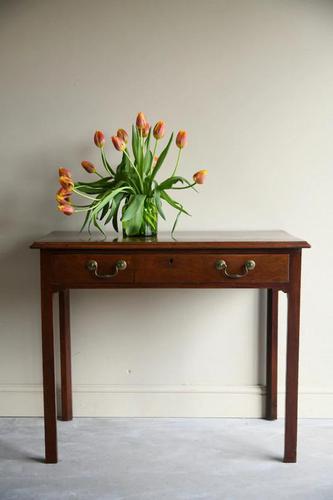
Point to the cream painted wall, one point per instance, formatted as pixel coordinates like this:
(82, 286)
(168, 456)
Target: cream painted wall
(251, 81)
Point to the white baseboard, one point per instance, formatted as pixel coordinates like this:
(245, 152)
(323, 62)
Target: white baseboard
(164, 401)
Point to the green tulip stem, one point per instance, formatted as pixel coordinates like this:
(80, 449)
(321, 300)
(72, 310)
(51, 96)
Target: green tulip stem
(84, 195)
(83, 210)
(155, 147)
(99, 175)
(185, 187)
(107, 167)
(177, 162)
(136, 170)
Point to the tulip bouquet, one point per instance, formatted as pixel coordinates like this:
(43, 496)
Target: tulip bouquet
(129, 191)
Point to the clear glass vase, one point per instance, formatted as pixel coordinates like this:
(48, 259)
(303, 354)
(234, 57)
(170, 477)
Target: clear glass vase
(149, 221)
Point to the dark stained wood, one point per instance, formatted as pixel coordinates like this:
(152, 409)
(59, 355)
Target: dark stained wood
(65, 355)
(292, 358)
(272, 354)
(168, 268)
(50, 410)
(200, 268)
(211, 240)
(187, 262)
(69, 269)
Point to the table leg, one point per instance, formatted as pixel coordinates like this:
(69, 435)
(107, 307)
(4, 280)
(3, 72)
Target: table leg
(49, 387)
(272, 354)
(65, 355)
(290, 444)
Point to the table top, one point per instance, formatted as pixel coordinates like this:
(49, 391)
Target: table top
(75, 240)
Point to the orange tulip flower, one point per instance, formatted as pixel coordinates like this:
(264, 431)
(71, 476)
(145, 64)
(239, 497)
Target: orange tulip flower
(141, 121)
(99, 139)
(66, 182)
(63, 196)
(65, 172)
(66, 209)
(181, 139)
(118, 143)
(159, 130)
(145, 130)
(122, 134)
(88, 166)
(199, 177)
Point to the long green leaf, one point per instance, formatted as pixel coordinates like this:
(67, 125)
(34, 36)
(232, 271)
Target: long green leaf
(116, 201)
(135, 142)
(175, 223)
(147, 163)
(148, 138)
(97, 225)
(157, 196)
(173, 203)
(135, 207)
(161, 159)
(168, 183)
(106, 164)
(85, 221)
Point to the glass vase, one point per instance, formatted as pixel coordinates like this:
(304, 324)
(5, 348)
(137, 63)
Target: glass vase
(149, 221)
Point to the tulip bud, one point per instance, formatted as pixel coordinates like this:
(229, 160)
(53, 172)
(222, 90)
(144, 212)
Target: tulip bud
(155, 160)
(145, 130)
(99, 139)
(66, 209)
(122, 134)
(199, 177)
(118, 143)
(66, 182)
(140, 121)
(65, 172)
(159, 130)
(63, 196)
(88, 166)
(181, 139)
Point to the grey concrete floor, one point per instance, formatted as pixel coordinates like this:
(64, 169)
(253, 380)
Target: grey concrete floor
(165, 459)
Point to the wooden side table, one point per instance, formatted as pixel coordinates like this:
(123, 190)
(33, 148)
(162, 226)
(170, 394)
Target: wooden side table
(227, 259)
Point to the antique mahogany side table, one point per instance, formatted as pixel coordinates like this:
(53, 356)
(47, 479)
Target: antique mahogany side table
(226, 259)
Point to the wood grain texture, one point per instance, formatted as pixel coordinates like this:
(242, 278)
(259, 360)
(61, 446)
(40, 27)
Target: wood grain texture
(49, 387)
(182, 240)
(165, 263)
(294, 303)
(167, 269)
(272, 354)
(65, 355)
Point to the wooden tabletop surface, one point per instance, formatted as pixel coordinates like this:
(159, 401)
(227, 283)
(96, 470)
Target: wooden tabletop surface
(180, 240)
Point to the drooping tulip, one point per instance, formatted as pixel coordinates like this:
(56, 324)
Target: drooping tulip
(118, 143)
(145, 130)
(66, 182)
(63, 196)
(199, 177)
(88, 166)
(181, 139)
(66, 209)
(159, 130)
(122, 134)
(99, 139)
(140, 121)
(65, 172)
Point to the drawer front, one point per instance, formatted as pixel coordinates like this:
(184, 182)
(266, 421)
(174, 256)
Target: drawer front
(167, 269)
(202, 268)
(91, 269)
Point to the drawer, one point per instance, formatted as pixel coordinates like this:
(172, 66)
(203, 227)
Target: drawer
(91, 269)
(202, 268)
(167, 269)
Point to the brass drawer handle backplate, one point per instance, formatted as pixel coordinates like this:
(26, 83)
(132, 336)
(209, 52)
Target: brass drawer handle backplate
(221, 265)
(120, 265)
